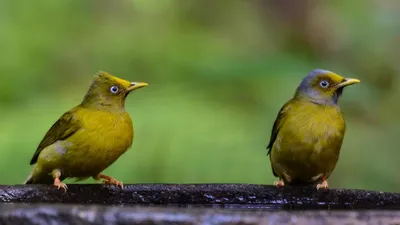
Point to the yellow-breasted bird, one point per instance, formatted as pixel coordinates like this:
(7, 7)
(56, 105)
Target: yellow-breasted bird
(308, 132)
(89, 137)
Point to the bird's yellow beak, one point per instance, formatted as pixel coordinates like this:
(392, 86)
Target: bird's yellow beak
(347, 82)
(136, 85)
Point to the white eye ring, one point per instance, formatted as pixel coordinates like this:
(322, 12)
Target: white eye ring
(324, 84)
(114, 89)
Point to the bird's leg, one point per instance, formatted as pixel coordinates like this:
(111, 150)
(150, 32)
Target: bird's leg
(279, 183)
(323, 184)
(57, 182)
(109, 180)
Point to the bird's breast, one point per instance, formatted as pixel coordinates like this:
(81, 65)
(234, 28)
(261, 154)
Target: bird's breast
(101, 140)
(312, 127)
(111, 131)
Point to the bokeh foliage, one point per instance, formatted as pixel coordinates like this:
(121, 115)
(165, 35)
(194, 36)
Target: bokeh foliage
(219, 71)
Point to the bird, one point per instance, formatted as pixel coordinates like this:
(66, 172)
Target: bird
(308, 132)
(88, 138)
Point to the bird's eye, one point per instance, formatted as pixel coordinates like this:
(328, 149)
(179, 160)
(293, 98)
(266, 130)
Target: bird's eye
(114, 89)
(324, 84)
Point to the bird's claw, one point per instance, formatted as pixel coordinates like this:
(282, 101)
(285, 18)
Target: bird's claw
(323, 185)
(114, 182)
(279, 184)
(59, 185)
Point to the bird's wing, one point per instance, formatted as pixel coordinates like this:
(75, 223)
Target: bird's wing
(278, 124)
(62, 129)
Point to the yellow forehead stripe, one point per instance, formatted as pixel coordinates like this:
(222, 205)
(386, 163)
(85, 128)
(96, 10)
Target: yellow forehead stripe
(335, 77)
(114, 79)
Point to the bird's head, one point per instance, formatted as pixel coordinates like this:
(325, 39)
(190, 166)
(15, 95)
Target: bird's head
(323, 87)
(108, 92)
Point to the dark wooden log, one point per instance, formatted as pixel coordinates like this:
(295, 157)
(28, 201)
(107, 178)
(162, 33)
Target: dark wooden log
(244, 196)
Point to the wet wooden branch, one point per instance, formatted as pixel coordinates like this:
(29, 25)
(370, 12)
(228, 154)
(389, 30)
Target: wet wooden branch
(213, 195)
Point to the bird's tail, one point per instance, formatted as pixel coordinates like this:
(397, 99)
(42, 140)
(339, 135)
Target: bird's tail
(29, 180)
(36, 177)
(47, 179)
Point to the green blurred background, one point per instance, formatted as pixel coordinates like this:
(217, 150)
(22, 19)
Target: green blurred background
(219, 71)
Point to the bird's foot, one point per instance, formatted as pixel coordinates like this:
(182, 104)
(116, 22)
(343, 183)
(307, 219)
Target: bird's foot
(323, 185)
(114, 182)
(279, 183)
(60, 184)
(110, 180)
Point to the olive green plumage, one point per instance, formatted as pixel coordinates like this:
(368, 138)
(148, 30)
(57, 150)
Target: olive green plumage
(89, 137)
(308, 132)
